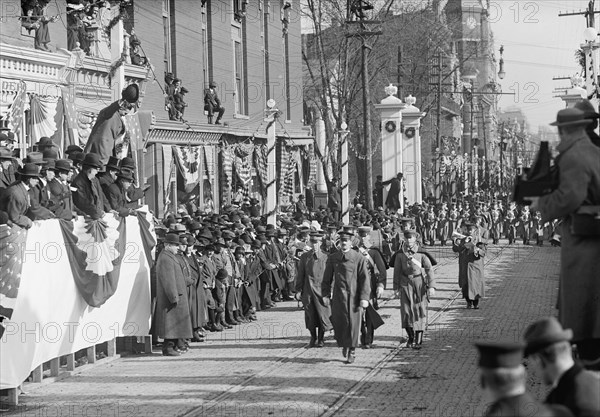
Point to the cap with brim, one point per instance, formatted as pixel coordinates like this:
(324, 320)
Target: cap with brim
(364, 230)
(317, 233)
(570, 117)
(493, 355)
(125, 175)
(543, 333)
(44, 141)
(256, 244)
(177, 228)
(345, 235)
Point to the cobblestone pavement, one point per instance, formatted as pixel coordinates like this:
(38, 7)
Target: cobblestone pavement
(264, 369)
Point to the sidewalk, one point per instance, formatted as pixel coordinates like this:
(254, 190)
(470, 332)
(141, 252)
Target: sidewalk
(264, 369)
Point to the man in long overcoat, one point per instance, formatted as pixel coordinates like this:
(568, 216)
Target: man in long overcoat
(578, 189)
(471, 278)
(392, 200)
(346, 278)
(308, 289)
(172, 316)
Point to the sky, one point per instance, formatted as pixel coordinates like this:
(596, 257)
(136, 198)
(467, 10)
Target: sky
(538, 45)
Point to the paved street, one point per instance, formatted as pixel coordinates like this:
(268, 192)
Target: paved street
(263, 368)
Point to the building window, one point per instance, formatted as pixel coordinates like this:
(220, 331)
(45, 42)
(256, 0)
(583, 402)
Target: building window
(166, 16)
(240, 80)
(205, 66)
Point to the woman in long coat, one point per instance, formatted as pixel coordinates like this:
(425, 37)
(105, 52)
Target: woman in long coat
(172, 317)
(346, 277)
(471, 277)
(413, 276)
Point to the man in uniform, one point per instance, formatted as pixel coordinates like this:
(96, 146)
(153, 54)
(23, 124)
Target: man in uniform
(346, 284)
(471, 278)
(308, 289)
(549, 349)
(577, 201)
(503, 380)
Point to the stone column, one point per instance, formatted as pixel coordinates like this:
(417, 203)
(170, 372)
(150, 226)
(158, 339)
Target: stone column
(411, 151)
(390, 110)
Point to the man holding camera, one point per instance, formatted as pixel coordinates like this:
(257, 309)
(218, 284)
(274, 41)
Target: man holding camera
(577, 202)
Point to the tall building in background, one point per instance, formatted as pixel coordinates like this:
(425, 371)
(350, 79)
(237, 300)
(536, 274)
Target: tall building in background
(250, 50)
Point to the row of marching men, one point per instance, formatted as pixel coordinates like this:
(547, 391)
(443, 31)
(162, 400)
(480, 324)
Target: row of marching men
(45, 187)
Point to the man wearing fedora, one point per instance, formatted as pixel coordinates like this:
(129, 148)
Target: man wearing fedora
(38, 194)
(578, 193)
(212, 103)
(117, 193)
(549, 350)
(60, 191)
(172, 314)
(17, 201)
(88, 197)
(7, 172)
(590, 113)
(109, 125)
(503, 380)
(109, 176)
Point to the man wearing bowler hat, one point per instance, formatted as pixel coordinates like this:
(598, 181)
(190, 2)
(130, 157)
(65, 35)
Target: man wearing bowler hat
(577, 202)
(212, 103)
(117, 193)
(60, 192)
(17, 201)
(38, 194)
(549, 350)
(503, 380)
(109, 126)
(88, 197)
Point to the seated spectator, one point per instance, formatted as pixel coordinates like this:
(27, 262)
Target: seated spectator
(88, 196)
(212, 103)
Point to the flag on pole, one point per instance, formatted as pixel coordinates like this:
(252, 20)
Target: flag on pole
(17, 109)
(71, 131)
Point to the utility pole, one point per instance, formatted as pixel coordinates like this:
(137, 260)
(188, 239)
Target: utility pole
(502, 138)
(358, 9)
(438, 129)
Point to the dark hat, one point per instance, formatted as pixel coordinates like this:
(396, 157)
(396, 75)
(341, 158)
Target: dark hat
(588, 109)
(570, 117)
(113, 163)
(35, 158)
(262, 239)
(543, 333)
(172, 238)
(256, 244)
(76, 157)
(494, 355)
(260, 230)
(72, 149)
(169, 76)
(183, 239)
(63, 165)
(92, 160)
(50, 154)
(364, 230)
(410, 232)
(240, 250)
(221, 274)
(131, 93)
(227, 234)
(209, 248)
(49, 164)
(194, 225)
(212, 84)
(184, 90)
(3, 137)
(270, 233)
(6, 153)
(282, 232)
(205, 234)
(345, 235)
(29, 170)
(317, 233)
(127, 162)
(220, 241)
(177, 228)
(125, 175)
(246, 238)
(45, 141)
(349, 229)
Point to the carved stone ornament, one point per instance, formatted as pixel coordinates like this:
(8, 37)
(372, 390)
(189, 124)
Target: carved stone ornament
(391, 90)
(410, 100)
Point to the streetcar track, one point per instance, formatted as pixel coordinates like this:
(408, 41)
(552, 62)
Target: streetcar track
(227, 394)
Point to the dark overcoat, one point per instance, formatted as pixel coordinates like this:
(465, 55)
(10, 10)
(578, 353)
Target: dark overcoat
(196, 297)
(525, 405)
(89, 197)
(347, 278)
(579, 286)
(579, 390)
(471, 276)
(172, 317)
(308, 282)
(61, 201)
(107, 128)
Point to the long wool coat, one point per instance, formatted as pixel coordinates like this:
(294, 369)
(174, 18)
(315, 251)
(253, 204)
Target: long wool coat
(413, 274)
(347, 276)
(579, 285)
(172, 316)
(308, 282)
(471, 277)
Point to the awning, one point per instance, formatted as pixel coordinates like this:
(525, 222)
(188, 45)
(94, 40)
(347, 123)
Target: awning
(183, 137)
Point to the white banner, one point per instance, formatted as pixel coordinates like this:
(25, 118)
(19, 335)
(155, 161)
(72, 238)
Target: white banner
(52, 319)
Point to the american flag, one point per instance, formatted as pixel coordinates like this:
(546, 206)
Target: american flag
(12, 243)
(71, 136)
(17, 110)
(260, 162)
(132, 125)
